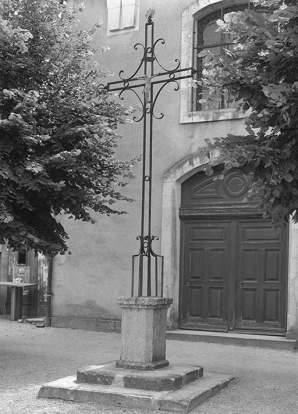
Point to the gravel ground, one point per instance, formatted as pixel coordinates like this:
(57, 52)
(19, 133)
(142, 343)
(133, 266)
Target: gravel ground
(265, 380)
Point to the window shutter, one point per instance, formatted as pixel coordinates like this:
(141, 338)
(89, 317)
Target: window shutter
(128, 13)
(114, 14)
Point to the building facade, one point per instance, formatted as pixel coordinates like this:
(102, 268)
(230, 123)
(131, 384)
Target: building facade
(225, 267)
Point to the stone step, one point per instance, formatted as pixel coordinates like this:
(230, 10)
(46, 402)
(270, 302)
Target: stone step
(169, 378)
(182, 400)
(264, 341)
(38, 322)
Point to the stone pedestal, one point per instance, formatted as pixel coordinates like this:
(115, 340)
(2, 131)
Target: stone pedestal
(144, 321)
(142, 378)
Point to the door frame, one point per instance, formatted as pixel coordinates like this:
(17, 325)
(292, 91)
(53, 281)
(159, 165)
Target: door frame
(170, 238)
(205, 198)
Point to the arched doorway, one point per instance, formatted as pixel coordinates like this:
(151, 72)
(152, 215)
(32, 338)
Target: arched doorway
(233, 264)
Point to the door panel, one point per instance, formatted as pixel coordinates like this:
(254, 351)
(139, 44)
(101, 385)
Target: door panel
(261, 276)
(206, 261)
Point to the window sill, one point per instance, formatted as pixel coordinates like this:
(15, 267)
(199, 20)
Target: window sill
(211, 116)
(121, 31)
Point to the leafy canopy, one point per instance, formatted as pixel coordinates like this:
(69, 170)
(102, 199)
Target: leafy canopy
(57, 127)
(260, 72)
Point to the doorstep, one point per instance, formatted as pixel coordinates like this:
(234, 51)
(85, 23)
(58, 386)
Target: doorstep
(262, 341)
(34, 320)
(38, 322)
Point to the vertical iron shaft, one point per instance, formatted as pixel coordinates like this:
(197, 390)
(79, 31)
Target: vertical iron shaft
(148, 261)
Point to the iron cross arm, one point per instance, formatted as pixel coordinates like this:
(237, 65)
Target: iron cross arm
(148, 80)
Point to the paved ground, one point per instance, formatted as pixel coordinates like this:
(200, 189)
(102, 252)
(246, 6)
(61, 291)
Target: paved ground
(266, 380)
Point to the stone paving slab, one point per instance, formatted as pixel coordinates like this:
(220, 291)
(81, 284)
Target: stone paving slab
(182, 400)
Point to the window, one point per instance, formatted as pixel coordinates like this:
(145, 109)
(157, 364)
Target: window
(206, 36)
(22, 257)
(199, 32)
(123, 15)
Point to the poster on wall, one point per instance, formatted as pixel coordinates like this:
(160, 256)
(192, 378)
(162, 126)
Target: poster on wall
(21, 273)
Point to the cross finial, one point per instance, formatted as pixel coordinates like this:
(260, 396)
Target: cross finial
(149, 15)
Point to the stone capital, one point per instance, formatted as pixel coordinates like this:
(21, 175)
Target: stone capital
(144, 302)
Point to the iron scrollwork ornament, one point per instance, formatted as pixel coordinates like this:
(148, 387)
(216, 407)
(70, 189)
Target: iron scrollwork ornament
(148, 264)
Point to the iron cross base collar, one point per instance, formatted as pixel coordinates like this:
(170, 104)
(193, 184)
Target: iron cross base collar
(146, 262)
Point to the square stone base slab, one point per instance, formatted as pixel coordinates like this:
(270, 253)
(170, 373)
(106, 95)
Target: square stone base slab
(166, 379)
(182, 400)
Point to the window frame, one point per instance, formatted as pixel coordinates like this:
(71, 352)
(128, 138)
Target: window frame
(190, 16)
(121, 28)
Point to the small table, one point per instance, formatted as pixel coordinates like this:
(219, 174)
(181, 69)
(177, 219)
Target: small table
(16, 298)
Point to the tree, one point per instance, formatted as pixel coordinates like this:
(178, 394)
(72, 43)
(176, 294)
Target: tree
(57, 127)
(260, 72)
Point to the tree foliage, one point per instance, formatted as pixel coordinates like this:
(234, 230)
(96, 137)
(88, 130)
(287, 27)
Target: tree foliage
(57, 127)
(260, 72)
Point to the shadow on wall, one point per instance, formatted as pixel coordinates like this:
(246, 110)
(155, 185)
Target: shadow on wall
(87, 316)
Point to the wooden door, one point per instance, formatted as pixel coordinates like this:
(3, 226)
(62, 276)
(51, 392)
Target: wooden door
(233, 263)
(234, 275)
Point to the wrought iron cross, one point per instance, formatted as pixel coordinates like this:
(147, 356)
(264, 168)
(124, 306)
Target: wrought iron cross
(150, 265)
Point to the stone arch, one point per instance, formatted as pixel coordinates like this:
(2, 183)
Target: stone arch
(170, 231)
(170, 239)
